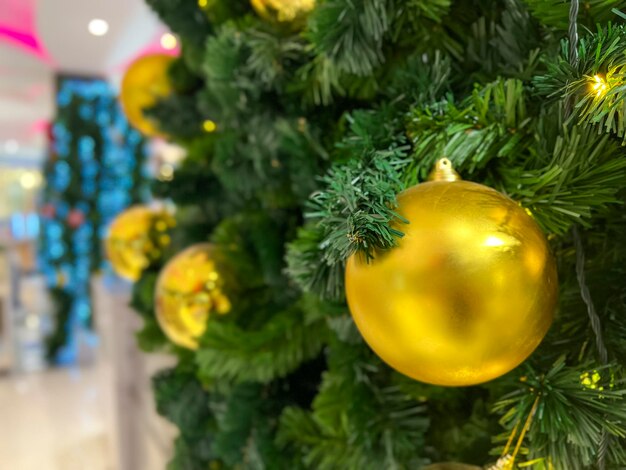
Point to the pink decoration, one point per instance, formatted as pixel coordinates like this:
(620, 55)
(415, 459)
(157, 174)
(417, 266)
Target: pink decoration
(75, 218)
(48, 211)
(17, 26)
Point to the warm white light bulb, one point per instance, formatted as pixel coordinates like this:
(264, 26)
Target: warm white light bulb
(168, 41)
(98, 27)
(599, 86)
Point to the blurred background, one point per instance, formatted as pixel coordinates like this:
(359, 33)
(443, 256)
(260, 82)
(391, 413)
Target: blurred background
(74, 390)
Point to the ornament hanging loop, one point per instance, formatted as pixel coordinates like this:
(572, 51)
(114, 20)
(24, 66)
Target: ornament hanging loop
(443, 171)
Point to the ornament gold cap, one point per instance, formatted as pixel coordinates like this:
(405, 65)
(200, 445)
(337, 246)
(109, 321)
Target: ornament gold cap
(443, 171)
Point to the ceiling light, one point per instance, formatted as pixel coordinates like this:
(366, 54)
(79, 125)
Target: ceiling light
(11, 146)
(168, 41)
(98, 27)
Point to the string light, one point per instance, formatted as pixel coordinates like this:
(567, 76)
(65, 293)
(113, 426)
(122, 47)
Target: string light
(166, 172)
(209, 126)
(599, 85)
(591, 380)
(169, 41)
(203, 3)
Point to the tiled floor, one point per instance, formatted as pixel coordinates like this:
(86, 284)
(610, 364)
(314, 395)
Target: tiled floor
(60, 419)
(98, 417)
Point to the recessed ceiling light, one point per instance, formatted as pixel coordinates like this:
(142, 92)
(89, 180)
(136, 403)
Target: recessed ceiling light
(168, 41)
(11, 146)
(98, 27)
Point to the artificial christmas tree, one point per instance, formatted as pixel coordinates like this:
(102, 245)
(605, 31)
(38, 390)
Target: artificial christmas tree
(95, 169)
(316, 130)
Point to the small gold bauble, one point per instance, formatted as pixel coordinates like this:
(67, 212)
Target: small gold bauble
(145, 82)
(468, 293)
(189, 289)
(135, 238)
(283, 11)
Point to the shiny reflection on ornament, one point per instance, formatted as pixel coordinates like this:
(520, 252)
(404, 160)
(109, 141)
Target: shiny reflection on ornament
(492, 240)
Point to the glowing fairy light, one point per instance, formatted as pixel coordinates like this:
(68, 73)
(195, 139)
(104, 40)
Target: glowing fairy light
(169, 41)
(209, 126)
(599, 85)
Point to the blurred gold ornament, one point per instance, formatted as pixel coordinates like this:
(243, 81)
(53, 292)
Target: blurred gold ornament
(468, 293)
(283, 11)
(505, 462)
(145, 82)
(188, 290)
(135, 238)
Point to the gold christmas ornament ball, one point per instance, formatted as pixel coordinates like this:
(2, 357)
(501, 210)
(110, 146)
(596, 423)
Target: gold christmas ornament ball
(145, 82)
(190, 289)
(283, 11)
(135, 238)
(469, 292)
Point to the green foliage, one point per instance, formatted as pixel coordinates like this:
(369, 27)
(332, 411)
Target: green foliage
(187, 121)
(246, 439)
(596, 83)
(150, 337)
(184, 18)
(61, 306)
(491, 123)
(350, 33)
(326, 279)
(577, 175)
(354, 209)
(555, 13)
(357, 421)
(505, 43)
(181, 399)
(285, 341)
(557, 435)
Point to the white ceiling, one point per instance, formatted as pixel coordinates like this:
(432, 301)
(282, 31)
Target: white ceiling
(131, 26)
(27, 83)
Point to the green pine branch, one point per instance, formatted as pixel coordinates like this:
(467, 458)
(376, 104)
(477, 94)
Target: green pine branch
(229, 352)
(575, 406)
(596, 84)
(356, 422)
